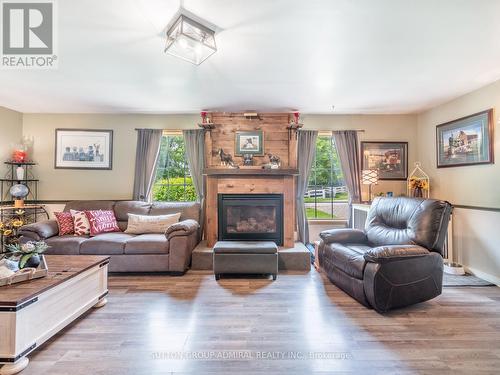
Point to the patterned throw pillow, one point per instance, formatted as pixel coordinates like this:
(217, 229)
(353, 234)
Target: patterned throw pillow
(141, 224)
(65, 223)
(82, 225)
(102, 222)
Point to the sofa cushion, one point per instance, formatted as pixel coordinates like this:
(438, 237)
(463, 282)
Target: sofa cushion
(122, 209)
(81, 223)
(151, 243)
(141, 224)
(65, 245)
(89, 205)
(106, 244)
(65, 223)
(188, 210)
(102, 222)
(348, 258)
(245, 247)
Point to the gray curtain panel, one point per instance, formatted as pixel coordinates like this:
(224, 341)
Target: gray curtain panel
(306, 152)
(347, 145)
(146, 158)
(194, 141)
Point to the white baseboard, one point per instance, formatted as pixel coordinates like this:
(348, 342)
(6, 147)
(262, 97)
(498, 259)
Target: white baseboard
(483, 275)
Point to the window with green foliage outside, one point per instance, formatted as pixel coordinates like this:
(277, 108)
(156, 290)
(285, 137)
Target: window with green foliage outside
(326, 196)
(173, 181)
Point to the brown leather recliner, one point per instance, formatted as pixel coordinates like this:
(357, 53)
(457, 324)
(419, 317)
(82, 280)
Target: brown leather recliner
(397, 260)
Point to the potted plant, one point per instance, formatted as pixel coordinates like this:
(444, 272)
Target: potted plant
(28, 253)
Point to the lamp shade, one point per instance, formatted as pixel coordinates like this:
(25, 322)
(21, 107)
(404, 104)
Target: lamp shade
(369, 176)
(190, 40)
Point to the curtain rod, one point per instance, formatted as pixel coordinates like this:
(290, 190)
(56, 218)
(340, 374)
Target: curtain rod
(342, 130)
(320, 131)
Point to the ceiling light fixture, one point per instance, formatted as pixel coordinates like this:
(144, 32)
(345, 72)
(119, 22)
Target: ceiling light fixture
(190, 40)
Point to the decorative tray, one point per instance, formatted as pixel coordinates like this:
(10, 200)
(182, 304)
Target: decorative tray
(26, 274)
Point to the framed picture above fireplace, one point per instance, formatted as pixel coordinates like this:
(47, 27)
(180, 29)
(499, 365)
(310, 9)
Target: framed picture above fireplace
(250, 142)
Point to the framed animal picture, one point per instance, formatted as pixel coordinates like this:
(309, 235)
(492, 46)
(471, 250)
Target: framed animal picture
(390, 158)
(465, 141)
(250, 142)
(83, 149)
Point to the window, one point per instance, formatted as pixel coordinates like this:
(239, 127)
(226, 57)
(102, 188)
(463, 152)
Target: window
(173, 181)
(326, 196)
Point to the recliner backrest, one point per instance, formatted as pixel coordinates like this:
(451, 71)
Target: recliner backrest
(402, 220)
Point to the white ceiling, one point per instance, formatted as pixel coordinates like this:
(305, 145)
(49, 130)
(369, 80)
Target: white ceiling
(363, 56)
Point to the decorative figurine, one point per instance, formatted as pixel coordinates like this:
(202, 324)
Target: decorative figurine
(247, 159)
(274, 160)
(226, 159)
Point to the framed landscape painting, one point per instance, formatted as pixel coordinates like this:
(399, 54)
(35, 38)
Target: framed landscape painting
(83, 149)
(465, 141)
(390, 158)
(249, 143)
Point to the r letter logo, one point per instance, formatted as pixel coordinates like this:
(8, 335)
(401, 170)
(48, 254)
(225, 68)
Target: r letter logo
(28, 35)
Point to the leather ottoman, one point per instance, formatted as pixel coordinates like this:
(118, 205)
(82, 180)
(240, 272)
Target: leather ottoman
(245, 257)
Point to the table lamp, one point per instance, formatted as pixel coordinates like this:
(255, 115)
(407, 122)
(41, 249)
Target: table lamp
(369, 177)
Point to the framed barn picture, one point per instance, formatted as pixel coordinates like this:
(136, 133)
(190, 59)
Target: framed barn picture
(390, 158)
(251, 142)
(83, 149)
(465, 141)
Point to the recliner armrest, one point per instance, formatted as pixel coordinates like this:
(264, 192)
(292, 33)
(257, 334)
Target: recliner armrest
(182, 228)
(40, 230)
(391, 253)
(343, 236)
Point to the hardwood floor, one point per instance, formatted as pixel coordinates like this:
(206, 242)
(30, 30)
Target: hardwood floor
(165, 325)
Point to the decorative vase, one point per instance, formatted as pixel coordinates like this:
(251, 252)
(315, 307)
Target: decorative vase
(33, 261)
(20, 173)
(418, 193)
(19, 203)
(19, 153)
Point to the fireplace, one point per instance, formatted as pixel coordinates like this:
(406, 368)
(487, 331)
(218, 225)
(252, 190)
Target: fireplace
(254, 217)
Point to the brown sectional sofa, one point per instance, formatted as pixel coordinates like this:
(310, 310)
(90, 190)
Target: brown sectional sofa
(168, 252)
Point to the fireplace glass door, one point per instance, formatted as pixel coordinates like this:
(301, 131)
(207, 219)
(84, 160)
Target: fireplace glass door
(256, 217)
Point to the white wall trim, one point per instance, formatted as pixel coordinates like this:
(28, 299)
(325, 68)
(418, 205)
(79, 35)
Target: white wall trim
(483, 275)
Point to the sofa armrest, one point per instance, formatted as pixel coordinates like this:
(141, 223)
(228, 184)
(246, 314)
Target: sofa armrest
(391, 253)
(182, 228)
(181, 247)
(39, 231)
(343, 236)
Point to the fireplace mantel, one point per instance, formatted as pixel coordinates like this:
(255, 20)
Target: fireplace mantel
(250, 172)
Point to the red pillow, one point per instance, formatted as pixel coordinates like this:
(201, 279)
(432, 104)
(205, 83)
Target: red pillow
(102, 222)
(65, 223)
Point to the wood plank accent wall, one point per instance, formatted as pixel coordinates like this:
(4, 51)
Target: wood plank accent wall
(277, 140)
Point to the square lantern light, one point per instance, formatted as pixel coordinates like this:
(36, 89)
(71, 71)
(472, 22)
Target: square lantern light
(190, 40)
